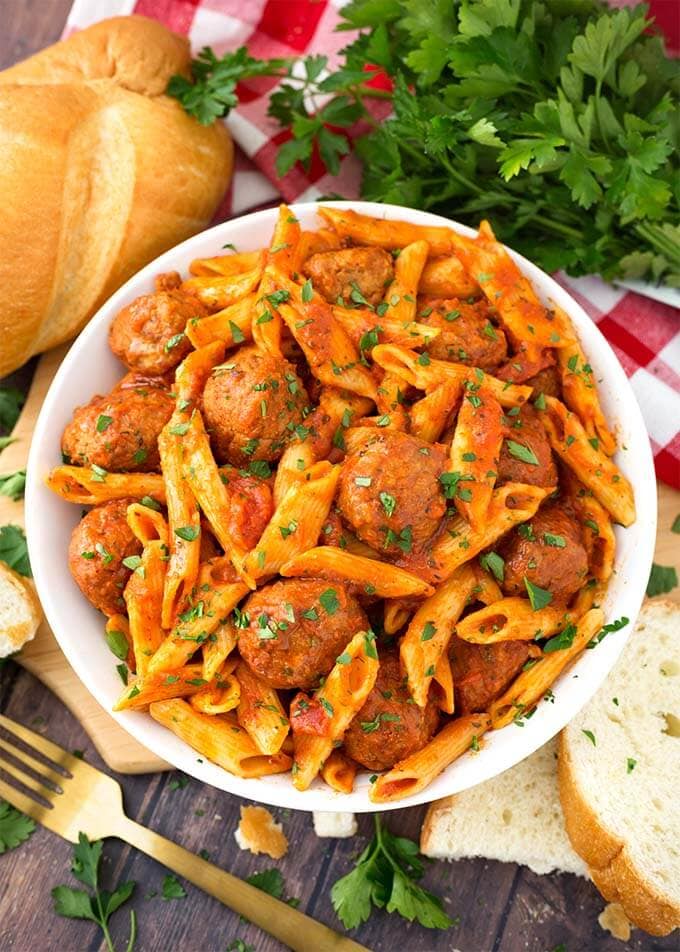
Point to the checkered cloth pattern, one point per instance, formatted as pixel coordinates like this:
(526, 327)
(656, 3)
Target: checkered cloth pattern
(644, 334)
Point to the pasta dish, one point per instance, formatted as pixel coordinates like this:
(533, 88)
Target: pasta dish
(351, 506)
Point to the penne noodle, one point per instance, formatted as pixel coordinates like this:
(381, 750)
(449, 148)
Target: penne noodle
(507, 289)
(511, 619)
(227, 264)
(192, 374)
(596, 532)
(390, 401)
(297, 458)
(396, 615)
(160, 686)
(365, 230)
(430, 414)
(218, 291)
(443, 680)
(218, 738)
(144, 600)
(366, 329)
(339, 772)
(430, 629)
(117, 626)
(375, 577)
(232, 325)
(260, 712)
(475, 453)
(89, 487)
(419, 770)
(283, 250)
(329, 421)
(315, 242)
(446, 277)
(296, 523)
(147, 524)
(530, 685)
(424, 373)
(342, 695)
(580, 394)
(218, 647)
(400, 296)
(510, 505)
(219, 697)
(591, 466)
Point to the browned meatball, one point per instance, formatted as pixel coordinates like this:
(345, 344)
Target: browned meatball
(526, 456)
(390, 491)
(252, 405)
(339, 275)
(546, 381)
(296, 629)
(389, 726)
(99, 543)
(148, 334)
(482, 672)
(548, 551)
(120, 431)
(468, 336)
(250, 506)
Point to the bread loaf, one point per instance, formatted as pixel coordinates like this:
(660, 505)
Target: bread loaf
(99, 172)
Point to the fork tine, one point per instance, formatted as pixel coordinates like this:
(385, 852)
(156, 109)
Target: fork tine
(55, 753)
(38, 765)
(37, 786)
(26, 804)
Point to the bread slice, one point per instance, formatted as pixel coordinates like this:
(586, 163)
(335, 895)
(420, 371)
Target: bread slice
(19, 611)
(514, 818)
(620, 787)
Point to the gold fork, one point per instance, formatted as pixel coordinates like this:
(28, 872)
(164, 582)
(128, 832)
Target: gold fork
(82, 798)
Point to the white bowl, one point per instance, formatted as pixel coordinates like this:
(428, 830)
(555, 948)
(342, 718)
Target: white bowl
(91, 368)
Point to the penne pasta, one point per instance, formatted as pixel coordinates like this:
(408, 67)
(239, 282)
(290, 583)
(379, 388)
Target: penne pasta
(390, 401)
(580, 395)
(230, 326)
(148, 525)
(192, 374)
(342, 695)
(218, 697)
(220, 291)
(400, 296)
(227, 264)
(443, 682)
(374, 577)
(339, 772)
(430, 414)
(396, 615)
(430, 629)
(218, 647)
(591, 466)
(424, 373)
(445, 277)
(419, 770)
(218, 738)
(118, 628)
(511, 619)
(315, 242)
(364, 230)
(89, 487)
(144, 600)
(366, 329)
(260, 712)
(475, 453)
(297, 458)
(531, 684)
(160, 686)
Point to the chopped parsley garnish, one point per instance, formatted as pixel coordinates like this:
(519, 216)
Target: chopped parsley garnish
(559, 642)
(103, 422)
(188, 533)
(307, 291)
(662, 579)
(389, 503)
(329, 601)
(521, 452)
(429, 631)
(539, 597)
(494, 563)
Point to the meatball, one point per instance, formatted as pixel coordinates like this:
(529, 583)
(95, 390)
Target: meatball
(482, 672)
(251, 506)
(526, 436)
(252, 405)
(389, 726)
(546, 381)
(120, 431)
(548, 551)
(339, 274)
(148, 334)
(467, 334)
(390, 492)
(296, 629)
(99, 543)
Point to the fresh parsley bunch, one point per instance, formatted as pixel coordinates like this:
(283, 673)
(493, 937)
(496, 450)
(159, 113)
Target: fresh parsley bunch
(556, 119)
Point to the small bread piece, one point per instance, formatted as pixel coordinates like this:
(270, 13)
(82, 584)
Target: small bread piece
(619, 792)
(259, 832)
(337, 825)
(514, 818)
(613, 919)
(20, 612)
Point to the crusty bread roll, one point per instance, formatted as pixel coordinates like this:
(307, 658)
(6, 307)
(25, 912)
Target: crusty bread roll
(99, 173)
(20, 612)
(620, 794)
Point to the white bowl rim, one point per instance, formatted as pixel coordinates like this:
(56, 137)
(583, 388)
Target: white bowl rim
(501, 750)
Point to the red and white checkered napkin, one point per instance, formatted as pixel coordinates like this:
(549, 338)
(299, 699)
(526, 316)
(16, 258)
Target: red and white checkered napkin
(645, 334)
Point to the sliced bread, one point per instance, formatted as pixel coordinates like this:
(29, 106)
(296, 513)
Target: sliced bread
(515, 817)
(20, 612)
(619, 776)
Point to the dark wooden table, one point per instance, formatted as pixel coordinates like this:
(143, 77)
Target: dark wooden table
(502, 907)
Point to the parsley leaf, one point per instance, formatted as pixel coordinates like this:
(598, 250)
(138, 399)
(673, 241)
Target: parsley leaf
(662, 579)
(539, 597)
(11, 402)
(172, 888)
(13, 549)
(13, 485)
(15, 828)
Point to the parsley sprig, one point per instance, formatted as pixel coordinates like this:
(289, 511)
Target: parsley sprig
(15, 828)
(386, 876)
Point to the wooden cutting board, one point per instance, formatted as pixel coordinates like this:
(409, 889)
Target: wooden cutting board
(42, 656)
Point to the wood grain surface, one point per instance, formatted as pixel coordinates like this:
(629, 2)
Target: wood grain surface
(502, 907)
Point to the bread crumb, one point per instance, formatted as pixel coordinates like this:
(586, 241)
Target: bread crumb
(259, 832)
(613, 919)
(334, 824)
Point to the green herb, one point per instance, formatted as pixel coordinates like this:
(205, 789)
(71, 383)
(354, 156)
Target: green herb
(363, 481)
(385, 876)
(469, 457)
(11, 402)
(118, 643)
(237, 334)
(662, 579)
(526, 531)
(329, 601)
(239, 945)
(383, 420)
(172, 888)
(99, 905)
(139, 456)
(556, 541)
(344, 658)
(539, 597)
(188, 533)
(494, 563)
(389, 503)
(122, 673)
(631, 763)
(132, 562)
(178, 783)
(307, 291)
(174, 341)
(676, 525)
(13, 485)
(449, 482)
(150, 503)
(590, 736)
(521, 452)
(103, 423)
(429, 631)
(15, 828)
(539, 402)
(179, 429)
(404, 540)
(269, 881)
(13, 549)
(564, 639)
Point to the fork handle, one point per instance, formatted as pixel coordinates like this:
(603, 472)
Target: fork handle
(296, 930)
